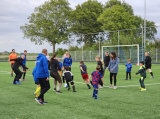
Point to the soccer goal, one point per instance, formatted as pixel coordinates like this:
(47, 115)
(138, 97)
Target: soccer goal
(124, 52)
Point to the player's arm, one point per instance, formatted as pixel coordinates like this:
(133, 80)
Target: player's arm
(140, 70)
(115, 65)
(102, 80)
(82, 69)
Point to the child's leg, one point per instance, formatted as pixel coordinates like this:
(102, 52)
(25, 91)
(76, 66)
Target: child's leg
(111, 74)
(126, 75)
(86, 81)
(96, 92)
(142, 82)
(38, 90)
(150, 72)
(129, 75)
(115, 80)
(93, 93)
(55, 83)
(73, 86)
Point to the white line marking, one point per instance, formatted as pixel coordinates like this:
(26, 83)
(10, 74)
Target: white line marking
(103, 86)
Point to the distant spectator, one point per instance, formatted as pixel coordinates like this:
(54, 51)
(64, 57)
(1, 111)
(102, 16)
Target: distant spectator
(13, 55)
(65, 55)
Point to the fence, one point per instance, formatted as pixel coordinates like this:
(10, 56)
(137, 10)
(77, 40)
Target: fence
(89, 56)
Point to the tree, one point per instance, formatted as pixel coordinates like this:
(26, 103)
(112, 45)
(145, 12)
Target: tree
(49, 23)
(84, 19)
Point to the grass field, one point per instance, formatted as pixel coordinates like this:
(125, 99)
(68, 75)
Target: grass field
(126, 102)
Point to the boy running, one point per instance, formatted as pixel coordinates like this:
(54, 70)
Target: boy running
(128, 70)
(68, 76)
(36, 82)
(142, 72)
(96, 77)
(84, 73)
(12, 56)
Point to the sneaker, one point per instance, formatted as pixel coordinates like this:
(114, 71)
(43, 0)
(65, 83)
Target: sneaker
(54, 89)
(140, 87)
(14, 83)
(39, 102)
(143, 89)
(126, 79)
(93, 96)
(74, 91)
(115, 87)
(152, 77)
(18, 82)
(130, 79)
(58, 92)
(69, 88)
(111, 86)
(96, 98)
(44, 102)
(11, 75)
(89, 87)
(20, 79)
(100, 86)
(24, 80)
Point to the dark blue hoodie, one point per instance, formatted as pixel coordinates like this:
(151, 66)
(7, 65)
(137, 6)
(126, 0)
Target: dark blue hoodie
(42, 67)
(24, 61)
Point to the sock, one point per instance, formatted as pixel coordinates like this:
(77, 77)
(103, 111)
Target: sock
(59, 86)
(151, 73)
(24, 74)
(93, 92)
(96, 92)
(37, 91)
(73, 88)
(88, 85)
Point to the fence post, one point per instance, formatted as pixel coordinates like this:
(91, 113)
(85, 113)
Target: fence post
(75, 55)
(156, 54)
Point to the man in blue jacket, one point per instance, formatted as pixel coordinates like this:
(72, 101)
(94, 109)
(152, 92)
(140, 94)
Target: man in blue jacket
(42, 74)
(24, 63)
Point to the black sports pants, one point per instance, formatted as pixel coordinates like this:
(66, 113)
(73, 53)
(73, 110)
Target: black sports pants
(45, 86)
(127, 75)
(18, 74)
(115, 80)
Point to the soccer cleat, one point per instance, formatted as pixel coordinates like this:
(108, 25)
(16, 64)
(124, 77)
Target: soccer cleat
(69, 88)
(44, 102)
(93, 96)
(14, 83)
(130, 79)
(152, 77)
(143, 89)
(100, 86)
(58, 92)
(140, 87)
(115, 87)
(54, 89)
(89, 87)
(96, 98)
(74, 91)
(126, 79)
(111, 86)
(11, 75)
(38, 100)
(18, 82)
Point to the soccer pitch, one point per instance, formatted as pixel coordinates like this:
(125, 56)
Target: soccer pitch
(126, 102)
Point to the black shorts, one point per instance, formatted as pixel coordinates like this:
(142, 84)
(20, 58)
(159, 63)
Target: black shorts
(37, 83)
(70, 82)
(148, 67)
(56, 76)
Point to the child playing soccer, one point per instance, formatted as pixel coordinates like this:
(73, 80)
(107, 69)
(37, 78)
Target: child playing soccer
(36, 82)
(142, 72)
(68, 76)
(96, 76)
(61, 65)
(128, 70)
(84, 73)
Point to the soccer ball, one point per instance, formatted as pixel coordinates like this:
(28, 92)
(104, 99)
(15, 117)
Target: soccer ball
(65, 85)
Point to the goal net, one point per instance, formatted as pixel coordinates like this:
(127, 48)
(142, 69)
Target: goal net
(124, 52)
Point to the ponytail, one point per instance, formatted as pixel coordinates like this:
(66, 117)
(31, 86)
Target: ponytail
(53, 56)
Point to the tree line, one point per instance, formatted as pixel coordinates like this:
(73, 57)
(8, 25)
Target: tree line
(55, 20)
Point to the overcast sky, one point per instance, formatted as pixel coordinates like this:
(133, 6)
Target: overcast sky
(14, 13)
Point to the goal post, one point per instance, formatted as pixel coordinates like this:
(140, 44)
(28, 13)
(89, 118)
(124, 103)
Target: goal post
(124, 52)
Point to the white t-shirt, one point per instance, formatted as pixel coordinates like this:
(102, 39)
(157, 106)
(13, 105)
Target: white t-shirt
(47, 57)
(64, 56)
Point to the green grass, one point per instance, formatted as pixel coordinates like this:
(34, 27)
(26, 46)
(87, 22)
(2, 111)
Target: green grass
(17, 101)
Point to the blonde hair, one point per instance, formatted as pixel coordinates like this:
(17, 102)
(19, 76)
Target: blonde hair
(98, 57)
(129, 60)
(147, 53)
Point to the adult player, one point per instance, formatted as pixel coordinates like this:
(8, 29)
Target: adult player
(65, 55)
(148, 64)
(54, 72)
(13, 55)
(106, 61)
(15, 67)
(23, 69)
(42, 74)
